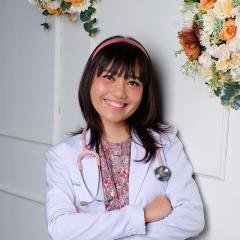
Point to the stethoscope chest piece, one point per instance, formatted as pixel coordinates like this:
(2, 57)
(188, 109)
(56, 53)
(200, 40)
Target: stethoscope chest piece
(162, 173)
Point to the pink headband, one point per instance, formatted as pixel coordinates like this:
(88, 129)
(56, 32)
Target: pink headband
(116, 40)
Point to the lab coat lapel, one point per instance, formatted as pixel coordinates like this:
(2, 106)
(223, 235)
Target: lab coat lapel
(90, 174)
(138, 170)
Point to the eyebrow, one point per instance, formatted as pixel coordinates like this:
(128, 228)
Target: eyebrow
(108, 71)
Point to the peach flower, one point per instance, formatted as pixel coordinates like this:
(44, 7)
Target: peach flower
(76, 3)
(228, 31)
(190, 43)
(205, 5)
(52, 11)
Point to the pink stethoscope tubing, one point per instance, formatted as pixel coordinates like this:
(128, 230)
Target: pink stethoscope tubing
(162, 172)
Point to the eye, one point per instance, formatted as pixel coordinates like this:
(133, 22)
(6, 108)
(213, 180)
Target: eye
(108, 76)
(133, 83)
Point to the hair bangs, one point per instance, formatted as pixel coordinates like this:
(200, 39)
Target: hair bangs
(123, 60)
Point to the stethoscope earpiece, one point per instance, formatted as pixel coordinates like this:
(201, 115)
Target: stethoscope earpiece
(162, 173)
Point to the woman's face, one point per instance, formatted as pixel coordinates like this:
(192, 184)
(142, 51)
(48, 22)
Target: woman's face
(115, 98)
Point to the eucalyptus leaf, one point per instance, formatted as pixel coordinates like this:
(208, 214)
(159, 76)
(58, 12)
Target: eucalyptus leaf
(90, 11)
(84, 16)
(93, 21)
(93, 31)
(225, 100)
(218, 91)
(86, 27)
(199, 20)
(230, 91)
(189, 7)
(217, 25)
(236, 102)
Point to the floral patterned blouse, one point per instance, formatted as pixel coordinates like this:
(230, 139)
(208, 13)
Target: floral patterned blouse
(115, 164)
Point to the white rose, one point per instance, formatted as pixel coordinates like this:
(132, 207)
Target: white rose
(205, 60)
(235, 73)
(54, 5)
(237, 22)
(33, 2)
(208, 21)
(223, 9)
(82, 8)
(234, 45)
(236, 11)
(204, 39)
(222, 52)
(189, 17)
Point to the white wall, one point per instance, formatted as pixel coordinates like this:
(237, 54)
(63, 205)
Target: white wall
(39, 76)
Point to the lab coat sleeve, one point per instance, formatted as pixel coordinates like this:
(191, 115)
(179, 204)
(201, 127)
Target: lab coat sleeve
(64, 223)
(187, 217)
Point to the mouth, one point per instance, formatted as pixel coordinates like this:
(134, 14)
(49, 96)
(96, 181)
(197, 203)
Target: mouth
(114, 104)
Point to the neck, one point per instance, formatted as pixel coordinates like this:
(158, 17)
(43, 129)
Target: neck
(115, 133)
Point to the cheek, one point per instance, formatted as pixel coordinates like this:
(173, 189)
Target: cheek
(136, 95)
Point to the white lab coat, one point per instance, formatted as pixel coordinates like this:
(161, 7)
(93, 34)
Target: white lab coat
(65, 188)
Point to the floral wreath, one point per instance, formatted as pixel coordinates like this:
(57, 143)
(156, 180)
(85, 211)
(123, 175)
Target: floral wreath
(210, 40)
(85, 9)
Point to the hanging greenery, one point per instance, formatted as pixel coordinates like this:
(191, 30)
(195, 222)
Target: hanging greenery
(84, 9)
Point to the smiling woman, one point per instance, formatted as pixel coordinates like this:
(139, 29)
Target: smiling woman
(112, 174)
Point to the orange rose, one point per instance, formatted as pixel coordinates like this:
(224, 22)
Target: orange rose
(190, 43)
(205, 5)
(57, 11)
(228, 31)
(76, 3)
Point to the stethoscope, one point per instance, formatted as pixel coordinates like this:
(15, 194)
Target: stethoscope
(161, 172)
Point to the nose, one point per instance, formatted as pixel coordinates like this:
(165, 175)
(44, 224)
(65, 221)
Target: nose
(119, 88)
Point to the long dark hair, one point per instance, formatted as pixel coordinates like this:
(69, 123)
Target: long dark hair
(122, 58)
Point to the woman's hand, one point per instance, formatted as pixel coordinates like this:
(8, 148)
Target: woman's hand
(159, 208)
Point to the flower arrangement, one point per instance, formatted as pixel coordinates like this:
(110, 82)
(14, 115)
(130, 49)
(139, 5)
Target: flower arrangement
(72, 8)
(210, 40)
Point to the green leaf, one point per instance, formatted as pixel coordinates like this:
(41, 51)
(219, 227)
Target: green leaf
(84, 16)
(90, 11)
(86, 27)
(236, 102)
(189, 7)
(65, 5)
(217, 25)
(92, 1)
(225, 100)
(219, 42)
(191, 1)
(93, 21)
(45, 26)
(218, 91)
(199, 19)
(93, 31)
(45, 13)
(236, 3)
(230, 89)
(213, 81)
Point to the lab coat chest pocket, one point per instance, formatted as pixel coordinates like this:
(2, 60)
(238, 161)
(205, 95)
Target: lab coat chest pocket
(79, 189)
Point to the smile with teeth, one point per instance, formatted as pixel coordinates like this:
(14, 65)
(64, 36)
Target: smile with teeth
(115, 104)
